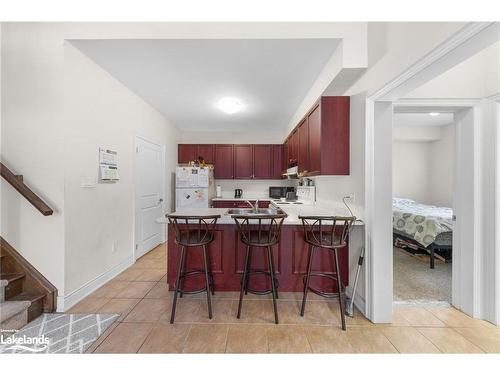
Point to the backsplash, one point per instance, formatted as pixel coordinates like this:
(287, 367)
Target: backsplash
(251, 188)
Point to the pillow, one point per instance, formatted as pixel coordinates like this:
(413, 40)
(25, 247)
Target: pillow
(402, 200)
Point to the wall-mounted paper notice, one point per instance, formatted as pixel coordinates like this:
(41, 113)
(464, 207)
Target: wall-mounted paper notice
(108, 165)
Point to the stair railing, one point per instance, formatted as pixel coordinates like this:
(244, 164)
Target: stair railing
(17, 183)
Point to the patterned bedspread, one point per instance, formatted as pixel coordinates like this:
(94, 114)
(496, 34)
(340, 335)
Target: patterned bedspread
(419, 221)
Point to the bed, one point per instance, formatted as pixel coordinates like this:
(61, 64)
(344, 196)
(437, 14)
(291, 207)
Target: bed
(422, 228)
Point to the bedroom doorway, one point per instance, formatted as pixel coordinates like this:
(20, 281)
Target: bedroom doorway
(423, 163)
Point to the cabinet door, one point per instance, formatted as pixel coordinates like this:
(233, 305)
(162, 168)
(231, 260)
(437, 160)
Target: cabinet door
(262, 161)
(186, 153)
(207, 151)
(303, 149)
(277, 161)
(286, 153)
(314, 125)
(294, 143)
(224, 161)
(243, 161)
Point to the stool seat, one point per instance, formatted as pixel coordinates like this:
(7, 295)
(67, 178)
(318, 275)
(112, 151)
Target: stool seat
(325, 232)
(261, 231)
(191, 232)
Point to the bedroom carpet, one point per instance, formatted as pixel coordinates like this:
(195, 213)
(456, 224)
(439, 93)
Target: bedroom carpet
(414, 281)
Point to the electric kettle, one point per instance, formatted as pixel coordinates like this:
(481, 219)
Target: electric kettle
(238, 193)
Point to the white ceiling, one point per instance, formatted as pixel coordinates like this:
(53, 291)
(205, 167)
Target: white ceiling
(184, 79)
(422, 119)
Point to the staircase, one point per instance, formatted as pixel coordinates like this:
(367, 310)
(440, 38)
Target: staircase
(24, 293)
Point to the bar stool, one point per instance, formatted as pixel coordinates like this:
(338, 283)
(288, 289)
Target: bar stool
(259, 231)
(191, 232)
(326, 232)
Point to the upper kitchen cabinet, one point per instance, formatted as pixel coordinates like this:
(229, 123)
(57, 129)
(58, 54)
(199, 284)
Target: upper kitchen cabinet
(207, 152)
(190, 152)
(186, 153)
(224, 166)
(303, 146)
(263, 161)
(293, 148)
(277, 161)
(323, 138)
(243, 162)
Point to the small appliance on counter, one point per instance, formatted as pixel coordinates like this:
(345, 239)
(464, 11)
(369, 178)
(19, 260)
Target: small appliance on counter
(277, 192)
(238, 193)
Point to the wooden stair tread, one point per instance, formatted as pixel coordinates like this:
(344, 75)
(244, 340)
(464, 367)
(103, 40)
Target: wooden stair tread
(10, 277)
(28, 296)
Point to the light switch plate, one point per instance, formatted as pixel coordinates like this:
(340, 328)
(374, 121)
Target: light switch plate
(88, 182)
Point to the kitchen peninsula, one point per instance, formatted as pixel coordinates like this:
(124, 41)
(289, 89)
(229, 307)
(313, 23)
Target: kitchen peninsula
(227, 252)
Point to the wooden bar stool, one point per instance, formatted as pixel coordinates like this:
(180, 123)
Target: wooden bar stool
(259, 231)
(191, 232)
(326, 232)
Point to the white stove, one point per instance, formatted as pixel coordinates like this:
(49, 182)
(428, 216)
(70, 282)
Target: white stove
(306, 195)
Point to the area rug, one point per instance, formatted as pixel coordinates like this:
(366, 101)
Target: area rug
(58, 333)
(414, 281)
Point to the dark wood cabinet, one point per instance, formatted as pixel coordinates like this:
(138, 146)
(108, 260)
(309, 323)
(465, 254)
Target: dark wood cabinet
(263, 161)
(314, 128)
(303, 146)
(223, 160)
(320, 143)
(286, 153)
(277, 161)
(190, 152)
(243, 162)
(207, 152)
(186, 153)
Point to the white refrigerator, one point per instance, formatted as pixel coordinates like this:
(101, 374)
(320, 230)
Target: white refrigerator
(194, 187)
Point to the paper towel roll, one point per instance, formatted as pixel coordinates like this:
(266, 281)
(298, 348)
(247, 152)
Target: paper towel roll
(218, 191)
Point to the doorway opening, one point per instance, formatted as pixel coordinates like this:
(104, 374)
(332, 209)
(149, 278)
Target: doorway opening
(423, 163)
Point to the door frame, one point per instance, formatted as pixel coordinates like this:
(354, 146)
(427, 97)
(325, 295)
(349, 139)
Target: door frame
(162, 196)
(378, 159)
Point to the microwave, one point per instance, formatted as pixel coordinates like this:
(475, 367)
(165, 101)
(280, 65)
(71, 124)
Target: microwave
(277, 192)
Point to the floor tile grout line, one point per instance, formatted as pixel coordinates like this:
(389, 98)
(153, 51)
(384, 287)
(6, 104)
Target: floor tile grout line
(466, 339)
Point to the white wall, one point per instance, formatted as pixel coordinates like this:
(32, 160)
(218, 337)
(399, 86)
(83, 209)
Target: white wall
(422, 170)
(58, 107)
(411, 171)
(251, 188)
(476, 77)
(100, 111)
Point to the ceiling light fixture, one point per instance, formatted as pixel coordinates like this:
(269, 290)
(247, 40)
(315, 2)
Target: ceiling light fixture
(434, 114)
(230, 105)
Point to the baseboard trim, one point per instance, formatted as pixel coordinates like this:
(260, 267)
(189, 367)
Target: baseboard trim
(65, 302)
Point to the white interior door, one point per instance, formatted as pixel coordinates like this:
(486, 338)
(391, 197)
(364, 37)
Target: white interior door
(149, 179)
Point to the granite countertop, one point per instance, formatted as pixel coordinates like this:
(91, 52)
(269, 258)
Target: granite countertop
(293, 212)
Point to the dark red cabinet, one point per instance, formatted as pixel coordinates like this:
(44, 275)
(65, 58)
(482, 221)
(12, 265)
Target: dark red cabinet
(243, 162)
(262, 161)
(207, 152)
(190, 152)
(303, 147)
(277, 161)
(186, 153)
(320, 142)
(314, 127)
(224, 167)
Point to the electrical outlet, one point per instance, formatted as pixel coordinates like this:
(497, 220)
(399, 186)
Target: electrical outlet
(351, 197)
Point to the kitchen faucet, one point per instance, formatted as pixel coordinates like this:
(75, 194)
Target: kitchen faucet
(255, 207)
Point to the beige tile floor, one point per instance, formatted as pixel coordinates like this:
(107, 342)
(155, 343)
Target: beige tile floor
(140, 296)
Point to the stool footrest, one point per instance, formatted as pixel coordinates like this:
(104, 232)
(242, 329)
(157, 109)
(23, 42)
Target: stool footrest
(192, 291)
(319, 292)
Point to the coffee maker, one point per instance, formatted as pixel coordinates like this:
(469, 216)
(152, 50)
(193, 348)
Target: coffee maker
(238, 193)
